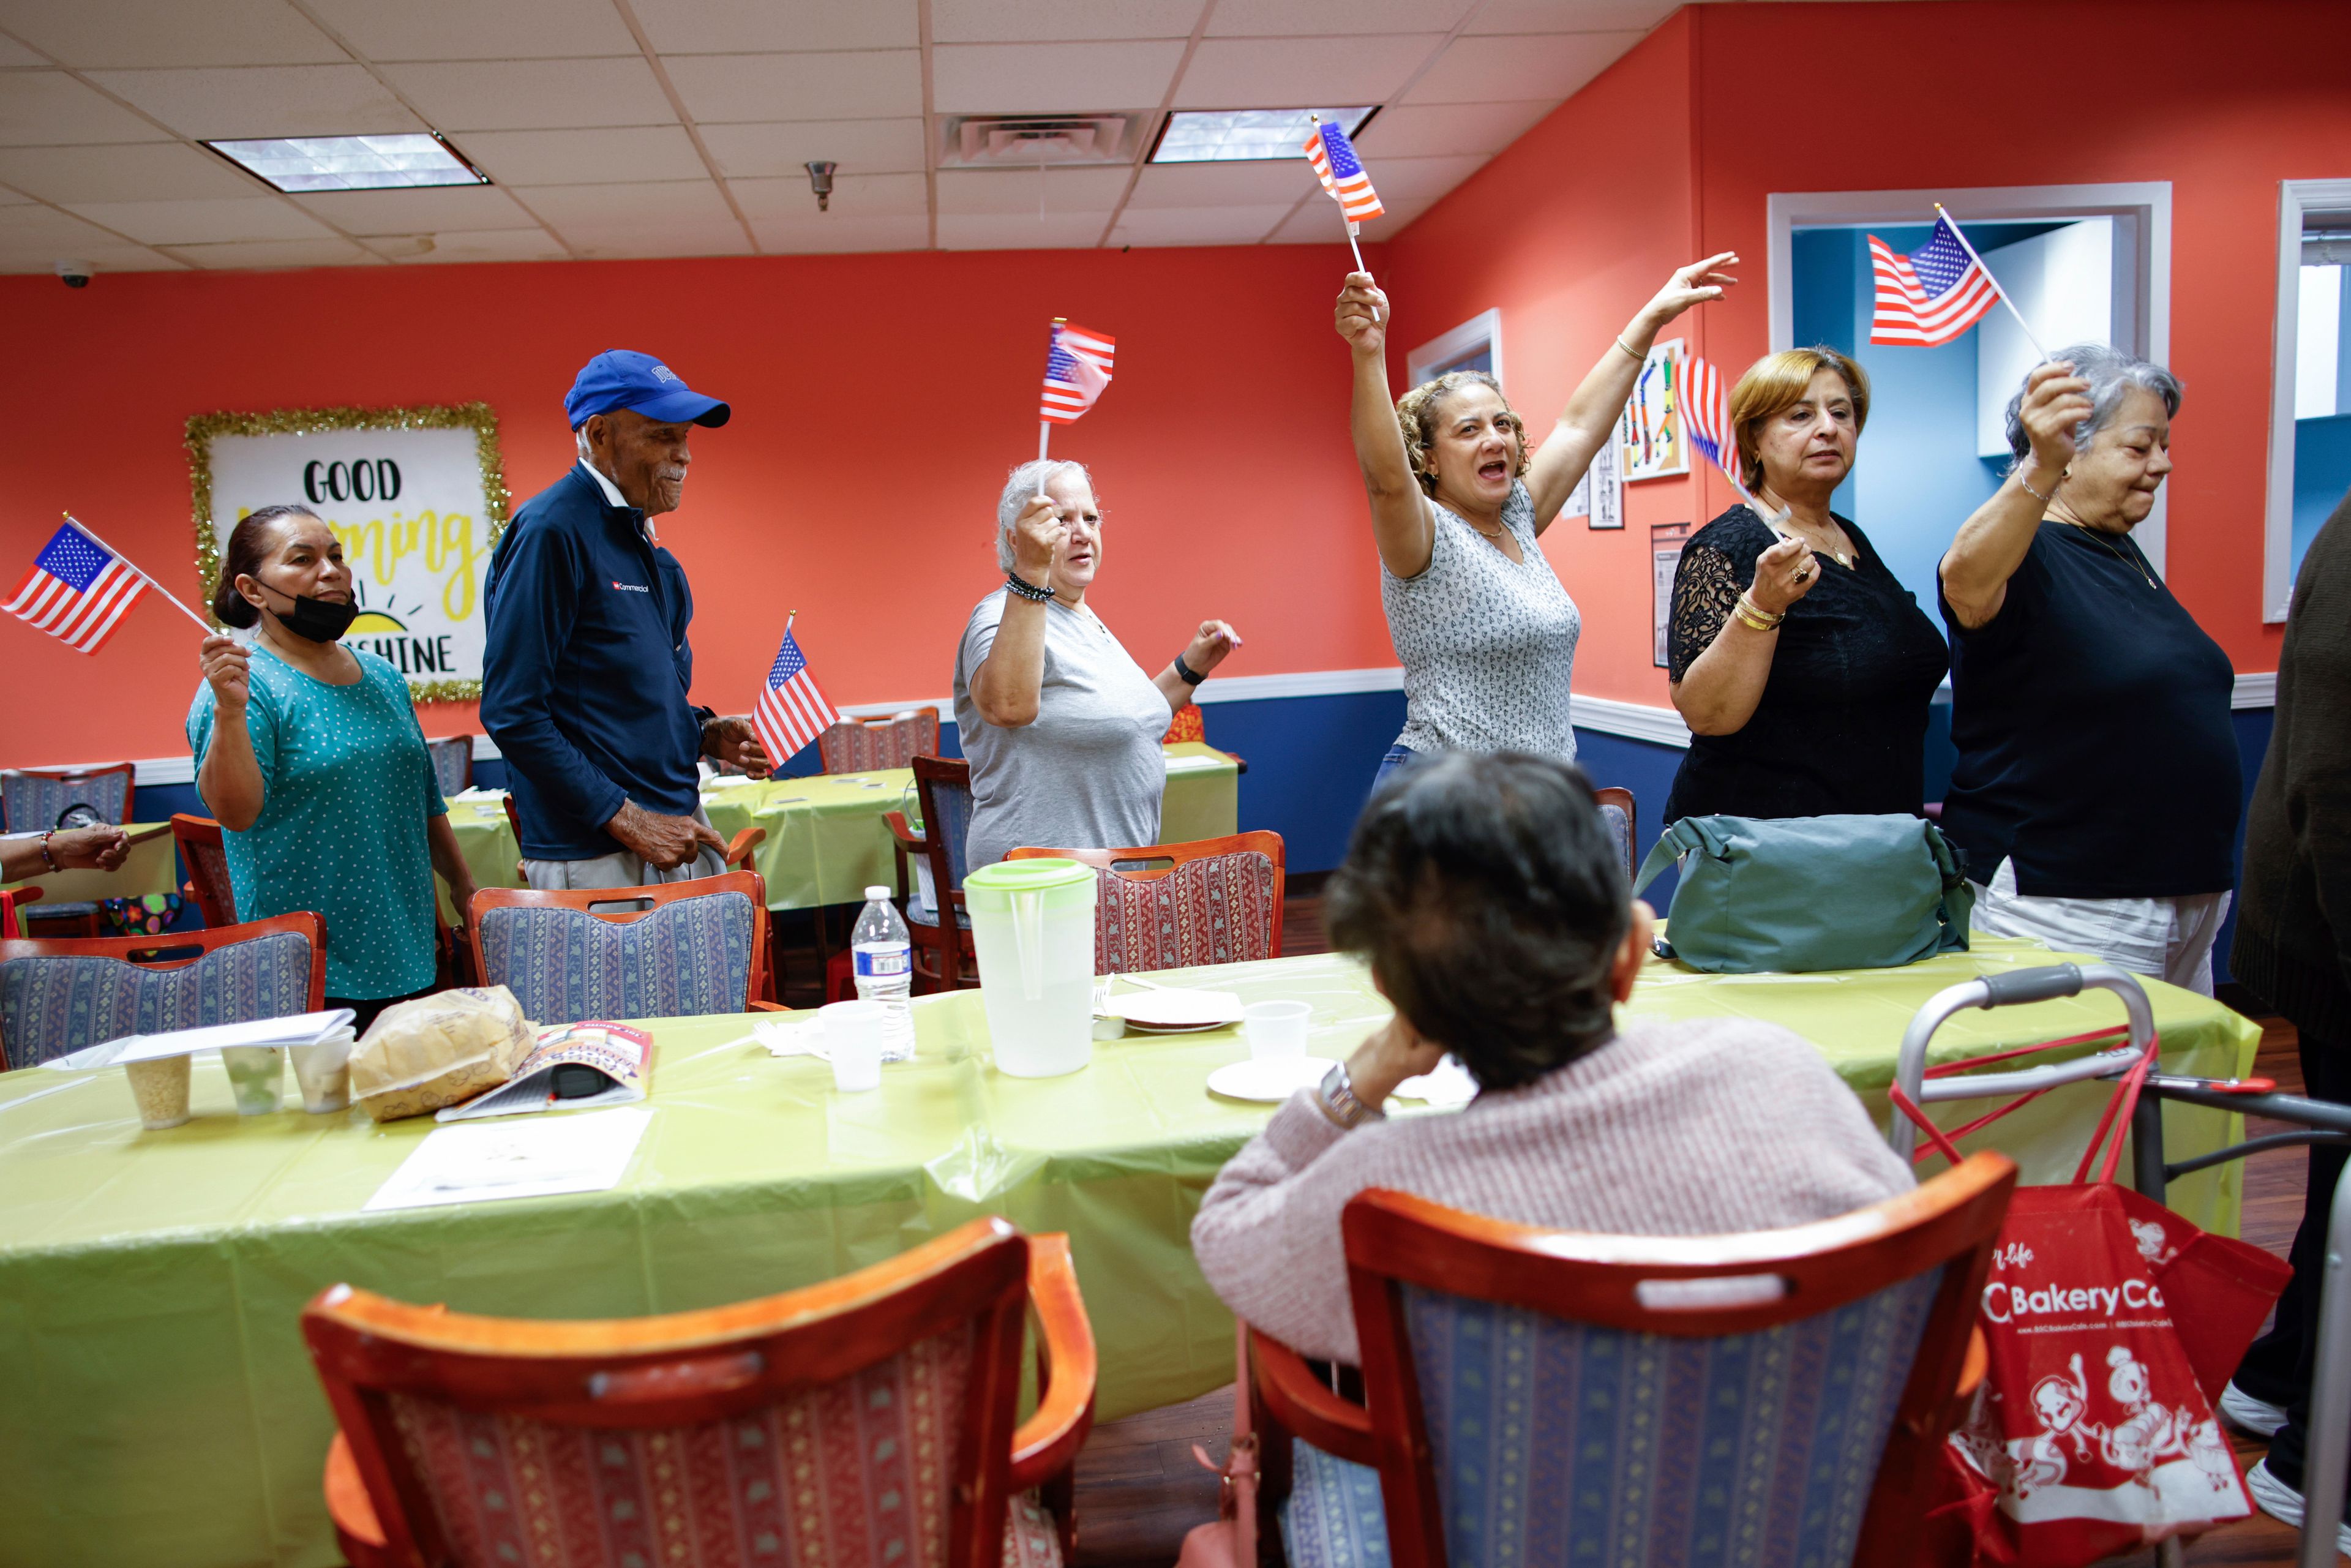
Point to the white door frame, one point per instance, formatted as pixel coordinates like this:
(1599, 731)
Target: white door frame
(2149, 201)
(2295, 198)
(1485, 328)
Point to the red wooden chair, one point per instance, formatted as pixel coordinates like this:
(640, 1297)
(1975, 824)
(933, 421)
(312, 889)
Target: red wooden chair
(1529, 1363)
(944, 957)
(452, 763)
(206, 859)
(1618, 814)
(34, 799)
(663, 950)
(10, 899)
(872, 744)
(1176, 906)
(865, 1421)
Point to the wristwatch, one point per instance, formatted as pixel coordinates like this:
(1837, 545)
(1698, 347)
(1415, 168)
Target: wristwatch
(1337, 1096)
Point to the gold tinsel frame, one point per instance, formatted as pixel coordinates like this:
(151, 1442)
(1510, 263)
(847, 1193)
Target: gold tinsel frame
(478, 417)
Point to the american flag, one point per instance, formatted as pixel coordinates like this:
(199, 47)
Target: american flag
(1076, 368)
(791, 711)
(1931, 296)
(1706, 416)
(77, 590)
(1342, 172)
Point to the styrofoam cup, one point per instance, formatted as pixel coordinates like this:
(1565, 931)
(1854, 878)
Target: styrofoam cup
(324, 1071)
(1276, 1031)
(256, 1076)
(852, 1039)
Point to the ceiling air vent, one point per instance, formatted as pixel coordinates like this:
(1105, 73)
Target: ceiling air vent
(1017, 141)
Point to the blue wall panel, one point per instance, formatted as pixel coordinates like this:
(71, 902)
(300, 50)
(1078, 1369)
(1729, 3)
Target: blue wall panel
(2321, 473)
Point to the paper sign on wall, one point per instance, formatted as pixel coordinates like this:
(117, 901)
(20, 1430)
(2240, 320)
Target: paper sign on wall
(416, 496)
(1666, 540)
(1650, 439)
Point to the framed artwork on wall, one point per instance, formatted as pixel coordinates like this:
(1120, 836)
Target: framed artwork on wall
(1666, 540)
(417, 496)
(1599, 496)
(1650, 443)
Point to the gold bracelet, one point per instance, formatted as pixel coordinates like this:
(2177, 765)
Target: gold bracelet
(1756, 616)
(1638, 358)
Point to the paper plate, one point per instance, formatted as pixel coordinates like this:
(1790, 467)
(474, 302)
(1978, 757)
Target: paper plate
(1447, 1083)
(1175, 1010)
(1268, 1081)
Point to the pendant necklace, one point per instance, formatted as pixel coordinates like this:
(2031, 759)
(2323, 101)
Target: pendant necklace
(2112, 551)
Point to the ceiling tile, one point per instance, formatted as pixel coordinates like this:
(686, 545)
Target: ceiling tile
(274, 253)
(50, 109)
(743, 27)
(132, 171)
(111, 257)
(1552, 66)
(864, 146)
(1223, 184)
(600, 241)
(1051, 21)
(223, 101)
(470, 30)
(443, 209)
(1570, 16)
(1198, 226)
(1304, 18)
(1316, 225)
(1014, 231)
(533, 95)
(1018, 191)
(204, 222)
(487, 245)
(12, 198)
(1404, 179)
(12, 53)
(171, 33)
(589, 156)
(652, 206)
(26, 226)
(835, 233)
(1022, 78)
(857, 84)
(1301, 73)
(853, 196)
(1432, 131)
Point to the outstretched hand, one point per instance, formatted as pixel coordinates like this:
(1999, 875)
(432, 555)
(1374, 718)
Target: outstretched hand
(1361, 316)
(1696, 284)
(1209, 645)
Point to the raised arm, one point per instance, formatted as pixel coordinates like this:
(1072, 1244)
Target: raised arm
(1993, 542)
(1401, 525)
(1560, 462)
(1011, 673)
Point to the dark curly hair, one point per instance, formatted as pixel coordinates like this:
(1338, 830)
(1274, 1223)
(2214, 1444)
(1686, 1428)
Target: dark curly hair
(1487, 895)
(248, 546)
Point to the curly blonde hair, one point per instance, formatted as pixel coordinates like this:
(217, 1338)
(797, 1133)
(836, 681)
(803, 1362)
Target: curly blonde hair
(1416, 418)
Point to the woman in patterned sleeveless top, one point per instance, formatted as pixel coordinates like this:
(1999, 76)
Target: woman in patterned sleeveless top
(1484, 630)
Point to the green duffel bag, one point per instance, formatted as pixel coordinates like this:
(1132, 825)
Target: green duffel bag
(1796, 894)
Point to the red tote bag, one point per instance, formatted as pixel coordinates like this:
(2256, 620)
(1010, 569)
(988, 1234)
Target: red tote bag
(2112, 1324)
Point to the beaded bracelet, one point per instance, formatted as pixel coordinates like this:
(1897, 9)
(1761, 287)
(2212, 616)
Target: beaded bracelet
(1025, 589)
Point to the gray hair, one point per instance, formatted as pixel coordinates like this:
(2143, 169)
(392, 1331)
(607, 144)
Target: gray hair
(1024, 485)
(2112, 374)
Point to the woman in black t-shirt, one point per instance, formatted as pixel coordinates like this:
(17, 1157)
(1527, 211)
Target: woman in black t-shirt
(2097, 786)
(1804, 669)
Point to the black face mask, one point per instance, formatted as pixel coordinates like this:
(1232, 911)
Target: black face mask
(315, 619)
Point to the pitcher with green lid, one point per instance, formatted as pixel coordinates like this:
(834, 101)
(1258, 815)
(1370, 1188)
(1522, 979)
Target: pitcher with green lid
(1033, 926)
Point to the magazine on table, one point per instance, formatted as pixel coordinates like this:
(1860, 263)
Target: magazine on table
(574, 1067)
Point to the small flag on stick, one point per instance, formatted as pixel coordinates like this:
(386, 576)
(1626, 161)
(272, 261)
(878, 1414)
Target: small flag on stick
(1343, 180)
(1931, 296)
(78, 591)
(1706, 421)
(791, 711)
(1077, 369)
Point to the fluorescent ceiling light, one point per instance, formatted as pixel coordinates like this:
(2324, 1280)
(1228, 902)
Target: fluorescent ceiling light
(1224, 135)
(350, 163)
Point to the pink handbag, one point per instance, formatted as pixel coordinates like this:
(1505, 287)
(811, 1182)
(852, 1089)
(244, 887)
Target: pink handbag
(1231, 1542)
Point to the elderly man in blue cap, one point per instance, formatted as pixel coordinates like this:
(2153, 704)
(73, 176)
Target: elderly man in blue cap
(586, 674)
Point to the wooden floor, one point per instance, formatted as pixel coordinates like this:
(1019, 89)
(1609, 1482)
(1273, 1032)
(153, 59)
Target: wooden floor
(1140, 1488)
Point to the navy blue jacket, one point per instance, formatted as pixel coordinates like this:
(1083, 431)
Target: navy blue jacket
(585, 677)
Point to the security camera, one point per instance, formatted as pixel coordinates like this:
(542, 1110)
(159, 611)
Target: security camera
(76, 273)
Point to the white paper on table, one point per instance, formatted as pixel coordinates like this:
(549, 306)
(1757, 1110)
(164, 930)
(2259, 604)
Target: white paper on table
(300, 1029)
(1446, 1083)
(477, 1162)
(1195, 763)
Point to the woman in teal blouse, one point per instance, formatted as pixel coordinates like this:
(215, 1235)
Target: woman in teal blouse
(310, 755)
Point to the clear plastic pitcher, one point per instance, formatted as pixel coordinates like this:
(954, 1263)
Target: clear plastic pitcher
(1032, 924)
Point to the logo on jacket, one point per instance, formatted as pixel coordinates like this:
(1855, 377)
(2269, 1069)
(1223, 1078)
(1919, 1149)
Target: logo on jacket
(631, 587)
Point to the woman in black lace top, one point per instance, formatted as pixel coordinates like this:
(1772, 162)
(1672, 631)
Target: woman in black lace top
(1804, 669)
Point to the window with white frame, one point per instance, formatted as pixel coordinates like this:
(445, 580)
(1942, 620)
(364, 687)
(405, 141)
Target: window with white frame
(2310, 409)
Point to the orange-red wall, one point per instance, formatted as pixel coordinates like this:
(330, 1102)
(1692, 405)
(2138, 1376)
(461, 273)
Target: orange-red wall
(1742, 100)
(878, 402)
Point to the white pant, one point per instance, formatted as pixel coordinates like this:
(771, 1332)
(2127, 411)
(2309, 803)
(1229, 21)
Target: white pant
(2170, 939)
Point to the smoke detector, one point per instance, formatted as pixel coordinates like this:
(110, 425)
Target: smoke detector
(1016, 141)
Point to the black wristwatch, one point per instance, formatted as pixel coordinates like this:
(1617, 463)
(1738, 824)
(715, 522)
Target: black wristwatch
(1186, 673)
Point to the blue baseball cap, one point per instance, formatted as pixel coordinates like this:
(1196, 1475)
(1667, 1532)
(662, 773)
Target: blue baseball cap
(623, 378)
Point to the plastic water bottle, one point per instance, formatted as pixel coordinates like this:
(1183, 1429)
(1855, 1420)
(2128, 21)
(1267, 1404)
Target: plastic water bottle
(885, 960)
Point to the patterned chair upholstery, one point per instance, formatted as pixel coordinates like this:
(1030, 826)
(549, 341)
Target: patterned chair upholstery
(1618, 815)
(1756, 1447)
(452, 762)
(35, 802)
(1216, 910)
(850, 747)
(202, 852)
(53, 1005)
(565, 964)
(951, 804)
(1187, 725)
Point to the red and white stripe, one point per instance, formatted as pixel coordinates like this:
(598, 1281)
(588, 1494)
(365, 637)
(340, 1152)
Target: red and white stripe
(1090, 354)
(1706, 411)
(1358, 202)
(83, 620)
(1907, 314)
(790, 715)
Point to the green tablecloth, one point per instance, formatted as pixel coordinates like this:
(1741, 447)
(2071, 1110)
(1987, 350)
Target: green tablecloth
(150, 867)
(826, 840)
(159, 1408)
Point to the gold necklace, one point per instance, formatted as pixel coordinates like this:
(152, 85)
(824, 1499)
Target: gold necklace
(1787, 525)
(2111, 551)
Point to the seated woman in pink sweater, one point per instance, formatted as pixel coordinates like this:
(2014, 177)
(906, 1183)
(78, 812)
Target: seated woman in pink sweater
(1489, 902)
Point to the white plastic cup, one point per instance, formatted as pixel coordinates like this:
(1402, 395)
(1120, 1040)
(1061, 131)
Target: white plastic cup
(161, 1089)
(324, 1071)
(256, 1076)
(852, 1039)
(1276, 1031)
